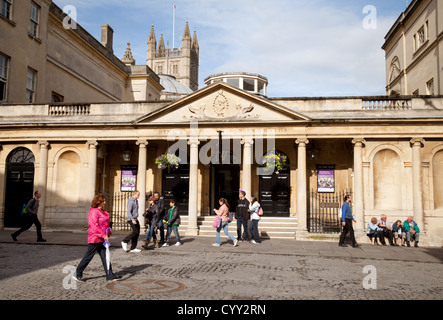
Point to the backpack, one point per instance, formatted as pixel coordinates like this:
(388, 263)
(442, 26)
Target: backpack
(24, 211)
(231, 217)
(260, 211)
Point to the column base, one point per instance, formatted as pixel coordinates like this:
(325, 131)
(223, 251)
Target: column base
(192, 231)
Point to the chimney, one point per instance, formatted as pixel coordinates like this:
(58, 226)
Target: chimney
(107, 37)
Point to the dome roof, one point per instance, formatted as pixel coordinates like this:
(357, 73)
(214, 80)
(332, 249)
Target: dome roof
(171, 85)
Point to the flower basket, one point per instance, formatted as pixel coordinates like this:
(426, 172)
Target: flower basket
(275, 161)
(168, 161)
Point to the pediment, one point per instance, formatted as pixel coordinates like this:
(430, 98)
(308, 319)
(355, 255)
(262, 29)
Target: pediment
(221, 102)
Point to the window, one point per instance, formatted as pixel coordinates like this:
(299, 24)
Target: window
(30, 85)
(4, 63)
(33, 25)
(430, 87)
(6, 9)
(421, 37)
(248, 85)
(56, 98)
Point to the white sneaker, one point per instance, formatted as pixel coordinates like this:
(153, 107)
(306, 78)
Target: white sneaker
(216, 244)
(235, 243)
(125, 246)
(135, 250)
(165, 244)
(178, 244)
(254, 242)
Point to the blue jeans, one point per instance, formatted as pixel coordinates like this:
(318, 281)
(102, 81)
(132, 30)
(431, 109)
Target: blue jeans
(242, 222)
(168, 233)
(253, 227)
(151, 233)
(224, 225)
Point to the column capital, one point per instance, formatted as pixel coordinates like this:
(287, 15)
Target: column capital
(43, 144)
(247, 140)
(193, 142)
(358, 142)
(417, 142)
(142, 143)
(92, 144)
(302, 141)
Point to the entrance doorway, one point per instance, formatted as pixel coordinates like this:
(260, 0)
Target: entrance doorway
(19, 184)
(275, 192)
(175, 185)
(225, 183)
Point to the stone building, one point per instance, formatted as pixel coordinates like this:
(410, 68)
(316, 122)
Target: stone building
(45, 57)
(414, 50)
(386, 151)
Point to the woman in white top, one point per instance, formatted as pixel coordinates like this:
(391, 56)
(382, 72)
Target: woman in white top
(255, 218)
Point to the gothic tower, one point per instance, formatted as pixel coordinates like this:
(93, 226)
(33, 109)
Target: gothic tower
(181, 63)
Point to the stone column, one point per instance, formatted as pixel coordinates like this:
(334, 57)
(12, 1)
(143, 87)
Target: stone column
(357, 198)
(2, 191)
(247, 166)
(192, 229)
(141, 175)
(42, 179)
(417, 188)
(302, 201)
(92, 171)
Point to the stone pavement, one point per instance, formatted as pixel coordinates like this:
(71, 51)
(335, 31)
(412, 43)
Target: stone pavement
(275, 269)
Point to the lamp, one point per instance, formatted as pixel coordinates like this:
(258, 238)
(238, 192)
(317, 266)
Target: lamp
(313, 152)
(126, 153)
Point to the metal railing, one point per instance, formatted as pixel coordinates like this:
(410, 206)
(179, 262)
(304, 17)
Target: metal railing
(323, 216)
(116, 204)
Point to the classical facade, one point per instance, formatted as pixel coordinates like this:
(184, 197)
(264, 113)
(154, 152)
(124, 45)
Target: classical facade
(414, 51)
(386, 151)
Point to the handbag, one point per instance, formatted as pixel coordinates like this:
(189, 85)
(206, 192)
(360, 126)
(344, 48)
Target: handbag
(217, 221)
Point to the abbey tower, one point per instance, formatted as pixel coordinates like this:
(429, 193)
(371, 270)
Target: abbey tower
(181, 63)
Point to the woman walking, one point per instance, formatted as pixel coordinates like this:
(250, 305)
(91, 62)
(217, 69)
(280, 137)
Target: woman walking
(254, 207)
(98, 232)
(223, 213)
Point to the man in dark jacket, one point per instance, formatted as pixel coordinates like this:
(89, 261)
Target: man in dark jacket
(242, 216)
(31, 218)
(161, 207)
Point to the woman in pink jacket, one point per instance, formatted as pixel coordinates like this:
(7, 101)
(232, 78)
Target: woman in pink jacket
(223, 213)
(98, 220)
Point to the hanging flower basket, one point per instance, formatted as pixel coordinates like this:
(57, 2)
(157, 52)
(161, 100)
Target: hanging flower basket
(275, 161)
(168, 161)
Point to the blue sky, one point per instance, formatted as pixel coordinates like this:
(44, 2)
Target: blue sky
(304, 47)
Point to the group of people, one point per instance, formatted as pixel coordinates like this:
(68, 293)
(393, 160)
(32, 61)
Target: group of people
(398, 233)
(246, 211)
(157, 217)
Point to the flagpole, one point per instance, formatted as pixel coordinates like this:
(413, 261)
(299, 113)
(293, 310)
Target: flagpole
(173, 26)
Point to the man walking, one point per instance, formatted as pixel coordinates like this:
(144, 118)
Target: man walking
(347, 219)
(132, 215)
(31, 218)
(242, 216)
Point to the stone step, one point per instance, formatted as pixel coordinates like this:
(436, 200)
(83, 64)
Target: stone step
(269, 227)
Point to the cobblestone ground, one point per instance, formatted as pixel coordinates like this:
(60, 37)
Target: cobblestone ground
(43, 272)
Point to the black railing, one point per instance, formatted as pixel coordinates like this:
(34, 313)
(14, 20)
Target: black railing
(116, 204)
(324, 209)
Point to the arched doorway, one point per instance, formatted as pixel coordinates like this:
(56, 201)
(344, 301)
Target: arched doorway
(275, 190)
(19, 184)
